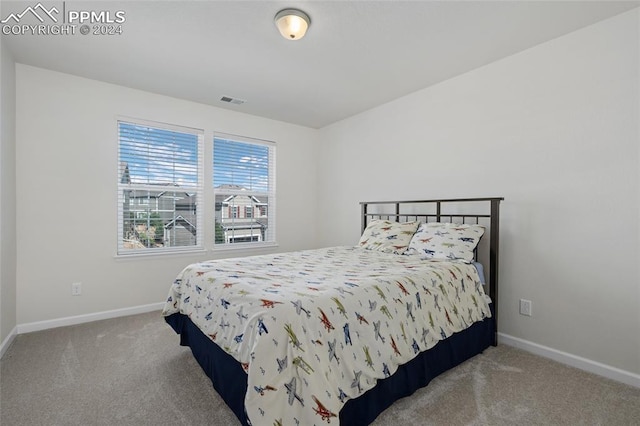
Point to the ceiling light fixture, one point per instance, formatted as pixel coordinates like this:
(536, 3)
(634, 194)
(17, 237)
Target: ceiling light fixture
(292, 23)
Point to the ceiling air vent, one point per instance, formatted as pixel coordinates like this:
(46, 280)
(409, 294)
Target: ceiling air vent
(232, 100)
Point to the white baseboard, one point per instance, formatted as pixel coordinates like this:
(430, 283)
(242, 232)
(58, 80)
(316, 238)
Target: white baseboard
(8, 341)
(80, 319)
(585, 364)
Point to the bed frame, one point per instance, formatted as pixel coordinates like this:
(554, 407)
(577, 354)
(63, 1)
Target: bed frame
(230, 380)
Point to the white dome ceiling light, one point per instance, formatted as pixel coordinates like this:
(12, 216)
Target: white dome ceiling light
(292, 23)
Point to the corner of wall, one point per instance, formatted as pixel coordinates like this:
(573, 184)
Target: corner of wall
(8, 281)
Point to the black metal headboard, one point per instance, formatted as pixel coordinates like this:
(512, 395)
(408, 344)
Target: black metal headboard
(485, 211)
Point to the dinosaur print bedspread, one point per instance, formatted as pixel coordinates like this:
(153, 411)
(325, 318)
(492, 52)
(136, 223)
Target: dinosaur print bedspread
(315, 328)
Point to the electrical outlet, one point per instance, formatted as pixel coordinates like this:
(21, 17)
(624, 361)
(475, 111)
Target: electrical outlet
(76, 289)
(525, 307)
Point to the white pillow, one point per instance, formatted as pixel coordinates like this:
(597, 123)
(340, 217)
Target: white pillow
(451, 241)
(388, 237)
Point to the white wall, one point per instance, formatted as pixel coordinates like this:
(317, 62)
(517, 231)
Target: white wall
(67, 180)
(7, 196)
(555, 130)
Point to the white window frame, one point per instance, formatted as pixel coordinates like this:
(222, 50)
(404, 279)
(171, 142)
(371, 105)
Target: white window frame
(270, 194)
(197, 190)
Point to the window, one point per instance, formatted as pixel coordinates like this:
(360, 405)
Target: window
(244, 190)
(159, 187)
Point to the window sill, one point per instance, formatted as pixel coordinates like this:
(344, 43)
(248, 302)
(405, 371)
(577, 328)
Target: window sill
(230, 248)
(234, 247)
(158, 254)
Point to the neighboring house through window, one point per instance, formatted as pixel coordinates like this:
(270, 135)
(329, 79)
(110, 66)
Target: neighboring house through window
(244, 190)
(160, 187)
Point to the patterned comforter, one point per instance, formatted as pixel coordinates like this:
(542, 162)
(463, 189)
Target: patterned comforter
(315, 328)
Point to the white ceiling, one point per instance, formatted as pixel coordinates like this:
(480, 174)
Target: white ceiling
(355, 56)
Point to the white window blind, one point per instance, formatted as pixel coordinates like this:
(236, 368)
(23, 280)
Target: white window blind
(160, 187)
(244, 190)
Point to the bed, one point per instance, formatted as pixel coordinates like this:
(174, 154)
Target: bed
(336, 335)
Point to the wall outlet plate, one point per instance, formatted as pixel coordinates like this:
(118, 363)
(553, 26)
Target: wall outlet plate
(76, 289)
(525, 307)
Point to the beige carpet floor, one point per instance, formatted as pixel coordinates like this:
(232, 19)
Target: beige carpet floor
(132, 371)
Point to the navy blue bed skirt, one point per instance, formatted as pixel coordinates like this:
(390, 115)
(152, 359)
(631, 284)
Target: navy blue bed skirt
(230, 380)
